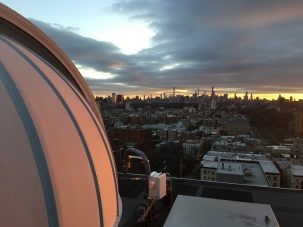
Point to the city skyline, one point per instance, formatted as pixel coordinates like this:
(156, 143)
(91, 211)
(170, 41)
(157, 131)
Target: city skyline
(268, 97)
(169, 93)
(136, 48)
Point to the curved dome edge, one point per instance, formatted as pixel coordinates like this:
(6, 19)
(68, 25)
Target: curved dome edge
(34, 32)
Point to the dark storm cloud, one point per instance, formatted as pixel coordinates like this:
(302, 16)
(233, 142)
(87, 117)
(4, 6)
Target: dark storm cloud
(255, 45)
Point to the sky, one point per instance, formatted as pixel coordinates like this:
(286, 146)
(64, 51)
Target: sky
(136, 47)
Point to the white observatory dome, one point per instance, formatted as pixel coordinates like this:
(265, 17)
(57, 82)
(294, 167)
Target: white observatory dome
(56, 164)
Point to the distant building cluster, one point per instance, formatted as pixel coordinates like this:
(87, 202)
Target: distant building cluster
(242, 165)
(212, 138)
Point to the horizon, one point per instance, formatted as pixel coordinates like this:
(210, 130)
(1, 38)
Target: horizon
(269, 97)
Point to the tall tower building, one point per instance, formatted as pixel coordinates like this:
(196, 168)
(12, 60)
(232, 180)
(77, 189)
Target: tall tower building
(113, 97)
(246, 96)
(213, 104)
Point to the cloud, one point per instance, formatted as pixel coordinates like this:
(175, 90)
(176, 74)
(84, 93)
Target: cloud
(265, 14)
(225, 43)
(254, 45)
(87, 52)
(100, 56)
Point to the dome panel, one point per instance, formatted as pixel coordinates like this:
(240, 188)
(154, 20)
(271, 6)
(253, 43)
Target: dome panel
(96, 144)
(20, 192)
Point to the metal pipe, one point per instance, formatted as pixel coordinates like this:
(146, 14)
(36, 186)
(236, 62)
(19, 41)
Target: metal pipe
(141, 154)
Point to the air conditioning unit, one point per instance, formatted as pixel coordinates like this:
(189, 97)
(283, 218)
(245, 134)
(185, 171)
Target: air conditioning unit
(157, 185)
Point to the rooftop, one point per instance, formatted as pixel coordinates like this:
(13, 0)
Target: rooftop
(279, 148)
(230, 168)
(297, 170)
(237, 155)
(269, 167)
(210, 164)
(215, 212)
(250, 172)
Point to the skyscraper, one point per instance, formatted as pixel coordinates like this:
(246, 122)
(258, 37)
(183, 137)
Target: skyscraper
(213, 104)
(246, 96)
